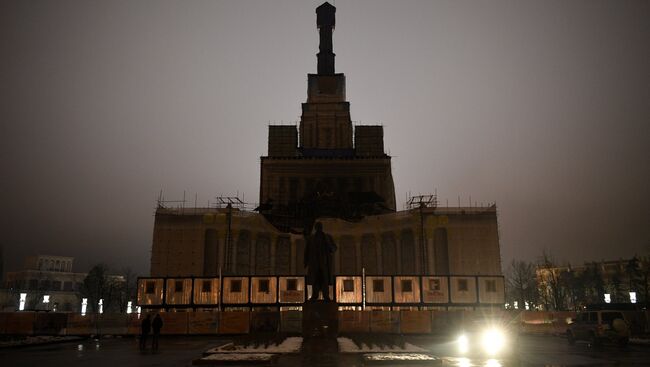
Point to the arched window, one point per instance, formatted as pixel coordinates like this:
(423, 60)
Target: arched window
(441, 251)
(389, 253)
(369, 254)
(210, 253)
(407, 249)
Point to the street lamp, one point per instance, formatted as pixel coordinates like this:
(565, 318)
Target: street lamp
(632, 297)
(23, 299)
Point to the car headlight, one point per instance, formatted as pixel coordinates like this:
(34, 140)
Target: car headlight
(493, 341)
(463, 344)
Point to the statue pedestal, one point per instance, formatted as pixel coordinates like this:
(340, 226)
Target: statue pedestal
(320, 319)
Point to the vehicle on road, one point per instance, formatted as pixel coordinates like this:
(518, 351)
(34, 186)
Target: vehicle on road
(598, 327)
(487, 337)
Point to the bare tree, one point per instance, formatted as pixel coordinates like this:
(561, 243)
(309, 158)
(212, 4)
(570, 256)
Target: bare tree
(551, 287)
(595, 283)
(99, 285)
(127, 289)
(522, 283)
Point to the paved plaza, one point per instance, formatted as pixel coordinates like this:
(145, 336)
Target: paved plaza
(180, 351)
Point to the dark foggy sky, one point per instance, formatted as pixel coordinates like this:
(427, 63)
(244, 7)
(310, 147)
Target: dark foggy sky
(543, 107)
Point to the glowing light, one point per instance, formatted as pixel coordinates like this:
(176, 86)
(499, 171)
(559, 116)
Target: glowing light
(492, 363)
(129, 307)
(516, 305)
(608, 298)
(139, 311)
(464, 362)
(527, 306)
(493, 341)
(632, 297)
(23, 299)
(84, 306)
(46, 299)
(463, 344)
(101, 305)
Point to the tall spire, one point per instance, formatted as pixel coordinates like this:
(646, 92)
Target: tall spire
(325, 21)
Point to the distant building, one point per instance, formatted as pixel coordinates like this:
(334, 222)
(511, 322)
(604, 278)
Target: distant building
(45, 275)
(575, 286)
(329, 170)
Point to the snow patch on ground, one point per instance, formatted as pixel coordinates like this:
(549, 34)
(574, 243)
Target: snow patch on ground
(397, 357)
(288, 345)
(238, 357)
(36, 340)
(346, 345)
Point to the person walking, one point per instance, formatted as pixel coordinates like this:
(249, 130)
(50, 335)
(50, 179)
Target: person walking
(146, 328)
(156, 325)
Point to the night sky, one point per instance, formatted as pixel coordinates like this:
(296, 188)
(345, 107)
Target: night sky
(541, 106)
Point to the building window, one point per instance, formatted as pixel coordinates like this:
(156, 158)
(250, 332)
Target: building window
(150, 287)
(178, 286)
(33, 284)
(206, 286)
(462, 285)
(67, 286)
(56, 285)
(264, 286)
(235, 285)
(46, 284)
(378, 285)
(491, 285)
(292, 284)
(434, 284)
(348, 285)
(407, 285)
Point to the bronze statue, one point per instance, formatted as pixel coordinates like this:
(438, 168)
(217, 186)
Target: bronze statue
(319, 261)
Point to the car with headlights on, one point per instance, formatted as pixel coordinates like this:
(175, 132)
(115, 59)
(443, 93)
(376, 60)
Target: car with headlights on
(490, 338)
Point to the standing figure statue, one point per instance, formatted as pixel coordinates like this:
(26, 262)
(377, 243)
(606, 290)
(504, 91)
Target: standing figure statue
(319, 261)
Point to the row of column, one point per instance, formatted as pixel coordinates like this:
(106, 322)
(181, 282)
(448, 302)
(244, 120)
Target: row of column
(388, 253)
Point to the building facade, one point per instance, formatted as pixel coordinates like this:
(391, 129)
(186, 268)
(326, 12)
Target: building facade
(44, 275)
(328, 170)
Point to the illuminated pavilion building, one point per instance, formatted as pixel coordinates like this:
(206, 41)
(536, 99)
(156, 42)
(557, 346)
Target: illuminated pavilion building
(329, 170)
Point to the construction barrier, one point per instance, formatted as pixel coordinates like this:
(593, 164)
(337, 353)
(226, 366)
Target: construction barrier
(354, 321)
(203, 323)
(235, 322)
(3, 322)
(291, 321)
(384, 322)
(134, 324)
(50, 324)
(265, 321)
(288, 321)
(415, 322)
(80, 325)
(174, 323)
(20, 323)
(112, 324)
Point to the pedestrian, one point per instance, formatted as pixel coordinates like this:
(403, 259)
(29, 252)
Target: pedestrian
(146, 328)
(156, 325)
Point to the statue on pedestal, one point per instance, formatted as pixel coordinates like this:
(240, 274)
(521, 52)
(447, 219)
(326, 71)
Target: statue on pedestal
(319, 261)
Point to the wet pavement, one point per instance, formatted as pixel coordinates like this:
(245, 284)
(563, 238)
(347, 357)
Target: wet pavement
(180, 351)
